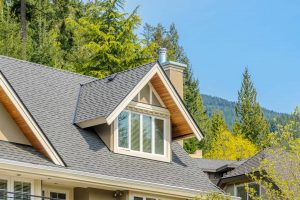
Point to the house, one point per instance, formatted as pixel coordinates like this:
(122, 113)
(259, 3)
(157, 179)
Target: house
(216, 169)
(67, 136)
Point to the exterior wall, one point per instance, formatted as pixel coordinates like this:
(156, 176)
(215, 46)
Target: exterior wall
(105, 132)
(9, 130)
(229, 189)
(69, 191)
(158, 197)
(176, 77)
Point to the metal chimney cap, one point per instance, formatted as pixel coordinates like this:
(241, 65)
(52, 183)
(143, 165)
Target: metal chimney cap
(162, 55)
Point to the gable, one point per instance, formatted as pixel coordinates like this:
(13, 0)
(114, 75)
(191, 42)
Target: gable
(18, 112)
(9, 130)
(121, 89)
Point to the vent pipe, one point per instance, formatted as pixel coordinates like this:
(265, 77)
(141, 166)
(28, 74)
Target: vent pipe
(162, 55)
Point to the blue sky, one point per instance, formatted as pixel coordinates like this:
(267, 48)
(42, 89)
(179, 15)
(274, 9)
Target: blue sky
(222, 37)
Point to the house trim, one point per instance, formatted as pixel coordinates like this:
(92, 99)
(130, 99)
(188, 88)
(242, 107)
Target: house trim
(45, 143)
(159, 71)
(98, 180)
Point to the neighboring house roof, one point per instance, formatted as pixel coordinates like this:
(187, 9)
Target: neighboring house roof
(209, 165)
(51, 96)
(248, 166)
(100, 97)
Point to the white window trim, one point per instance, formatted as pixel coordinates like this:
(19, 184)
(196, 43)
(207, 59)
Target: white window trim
(131, 197)
(10, 184)
(152, 155)
(152, 91)
(54, 190)
(243, 185)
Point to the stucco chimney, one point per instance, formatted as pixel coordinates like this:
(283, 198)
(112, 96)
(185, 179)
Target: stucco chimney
(197, 154)
(174, 70)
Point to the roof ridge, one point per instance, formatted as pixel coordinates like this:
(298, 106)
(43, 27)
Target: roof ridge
(48, 67)
(121, 72)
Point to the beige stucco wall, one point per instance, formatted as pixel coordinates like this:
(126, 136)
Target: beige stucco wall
(9, 130)
(59, 189)
(96, 194)
(105, 132)
(176, 77)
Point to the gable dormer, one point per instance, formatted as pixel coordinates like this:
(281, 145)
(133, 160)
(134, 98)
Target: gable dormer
(137, 112)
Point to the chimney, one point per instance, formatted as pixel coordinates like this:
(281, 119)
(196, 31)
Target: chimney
(174, 71)
(197, 154)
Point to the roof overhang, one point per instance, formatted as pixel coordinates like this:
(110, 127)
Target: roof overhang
(26, 122)
(97, 180)
(183, 124)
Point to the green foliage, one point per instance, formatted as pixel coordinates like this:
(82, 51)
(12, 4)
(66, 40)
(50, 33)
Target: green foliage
(226, 146)
(218, 126)
(250, 120)
(212, 103)
(279, 170)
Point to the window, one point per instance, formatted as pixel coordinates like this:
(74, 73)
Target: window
(143, 198)
(3, 189)
(22, 190)
(141, 133)
(242, 193)
(58, 196)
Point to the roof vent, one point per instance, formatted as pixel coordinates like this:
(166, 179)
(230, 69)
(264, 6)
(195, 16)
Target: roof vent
(162, 55)
(111, 77)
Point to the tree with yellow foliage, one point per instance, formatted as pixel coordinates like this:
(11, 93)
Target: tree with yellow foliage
(231, 147)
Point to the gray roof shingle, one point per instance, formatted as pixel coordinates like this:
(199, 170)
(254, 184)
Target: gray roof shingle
(23, 153)
(210, 165)
(51, 95)
(93, 98)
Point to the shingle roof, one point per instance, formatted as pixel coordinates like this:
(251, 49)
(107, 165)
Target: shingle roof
(93, 98)
(248, 166)
(50, 95)
(23, 153)
(209, 165)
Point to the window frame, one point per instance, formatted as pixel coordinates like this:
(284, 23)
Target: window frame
(62, 191)
(243, 185)
(10, 184)
(141, 153)
(144, 197)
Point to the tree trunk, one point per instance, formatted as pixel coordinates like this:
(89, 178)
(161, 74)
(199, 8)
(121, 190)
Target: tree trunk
(23, 29)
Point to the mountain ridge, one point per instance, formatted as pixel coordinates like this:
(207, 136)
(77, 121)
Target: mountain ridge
(212, 103)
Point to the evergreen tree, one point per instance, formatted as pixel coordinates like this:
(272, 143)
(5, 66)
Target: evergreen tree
(250, 120)
(158, 36)
(218, 126)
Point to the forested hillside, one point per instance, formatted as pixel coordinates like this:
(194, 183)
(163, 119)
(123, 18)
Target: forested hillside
(212, 103)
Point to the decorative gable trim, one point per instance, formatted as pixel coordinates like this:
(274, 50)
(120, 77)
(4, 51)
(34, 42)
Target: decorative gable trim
(157, 70)
(26, 122)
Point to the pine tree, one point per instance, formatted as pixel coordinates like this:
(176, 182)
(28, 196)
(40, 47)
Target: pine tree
(159, 36)
(250, 120)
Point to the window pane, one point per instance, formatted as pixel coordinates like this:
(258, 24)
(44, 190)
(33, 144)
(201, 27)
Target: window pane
(159, 136)
(145, 94)
(123, 129)
(135, 132)
(241, 192)
(22, 190)
(147, 134)
(137, 198)
(57, 196)
(3, 189)
(155, 100)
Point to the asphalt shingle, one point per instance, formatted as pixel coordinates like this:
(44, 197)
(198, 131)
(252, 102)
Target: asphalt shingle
(51, 96)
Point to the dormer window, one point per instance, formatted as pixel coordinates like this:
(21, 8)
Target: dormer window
(143, 128)
(142, 133)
